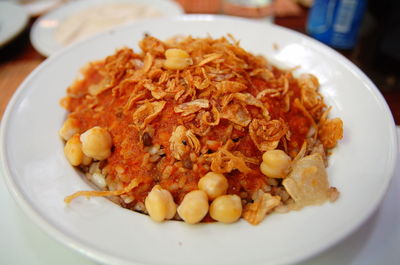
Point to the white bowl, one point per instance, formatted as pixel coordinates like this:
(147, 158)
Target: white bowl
(39, 177)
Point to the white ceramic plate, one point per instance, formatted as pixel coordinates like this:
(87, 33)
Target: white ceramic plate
(43, 33)
(39, 177)
(375, 242)
(13, 20)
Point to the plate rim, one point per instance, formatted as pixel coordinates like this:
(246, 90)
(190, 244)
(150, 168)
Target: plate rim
(99, 256)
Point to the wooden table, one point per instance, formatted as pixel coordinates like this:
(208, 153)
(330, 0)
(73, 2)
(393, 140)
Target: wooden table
(19, 58)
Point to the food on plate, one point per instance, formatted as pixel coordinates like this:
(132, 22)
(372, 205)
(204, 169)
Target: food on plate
(199, 130)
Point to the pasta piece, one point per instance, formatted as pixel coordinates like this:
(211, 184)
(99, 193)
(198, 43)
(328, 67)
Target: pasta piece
(93, 193)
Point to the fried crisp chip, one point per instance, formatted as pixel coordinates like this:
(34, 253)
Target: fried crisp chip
(330, 132)
(307, 183)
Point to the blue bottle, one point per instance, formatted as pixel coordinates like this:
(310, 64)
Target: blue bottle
(336, 22)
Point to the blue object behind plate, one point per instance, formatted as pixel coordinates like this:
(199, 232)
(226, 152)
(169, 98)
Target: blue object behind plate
(336, 22)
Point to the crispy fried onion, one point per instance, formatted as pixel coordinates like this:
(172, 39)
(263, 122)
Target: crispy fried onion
(115, 67)
(271, 92)
(152, 46)
(147, 62)
(204, 120)
(200, 126)
(133, 98)
(192, 107)
(267, 134)
(176, 142)
(211, 118)
(307, 183)
(310, 97)
(201, 83)
(146, 113)
(225, 87)
(209, 58)
(248, 99)
(182, 141)
(224, 161)
(97, 88)
(193, 142)
(92, 193)
(237, 113)
(234, 108)
(263, 73)
(274, 92)
(264, 203)
(280, 91)
(156, 90)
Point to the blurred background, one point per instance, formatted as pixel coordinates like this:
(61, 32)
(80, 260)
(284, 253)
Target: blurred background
(366, 32)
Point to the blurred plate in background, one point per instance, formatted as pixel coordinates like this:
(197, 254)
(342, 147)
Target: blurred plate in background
(78, 20)
(13, 19)
(38, 7)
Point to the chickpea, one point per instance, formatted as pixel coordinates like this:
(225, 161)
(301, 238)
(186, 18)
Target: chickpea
(226, 208)
(174, 52)
(275, 164)
(177, 59)
(86, 160)
(73, 150)
(214, 184)
(159, 204)
(96, 143)
(69, 128)
(193, 207)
